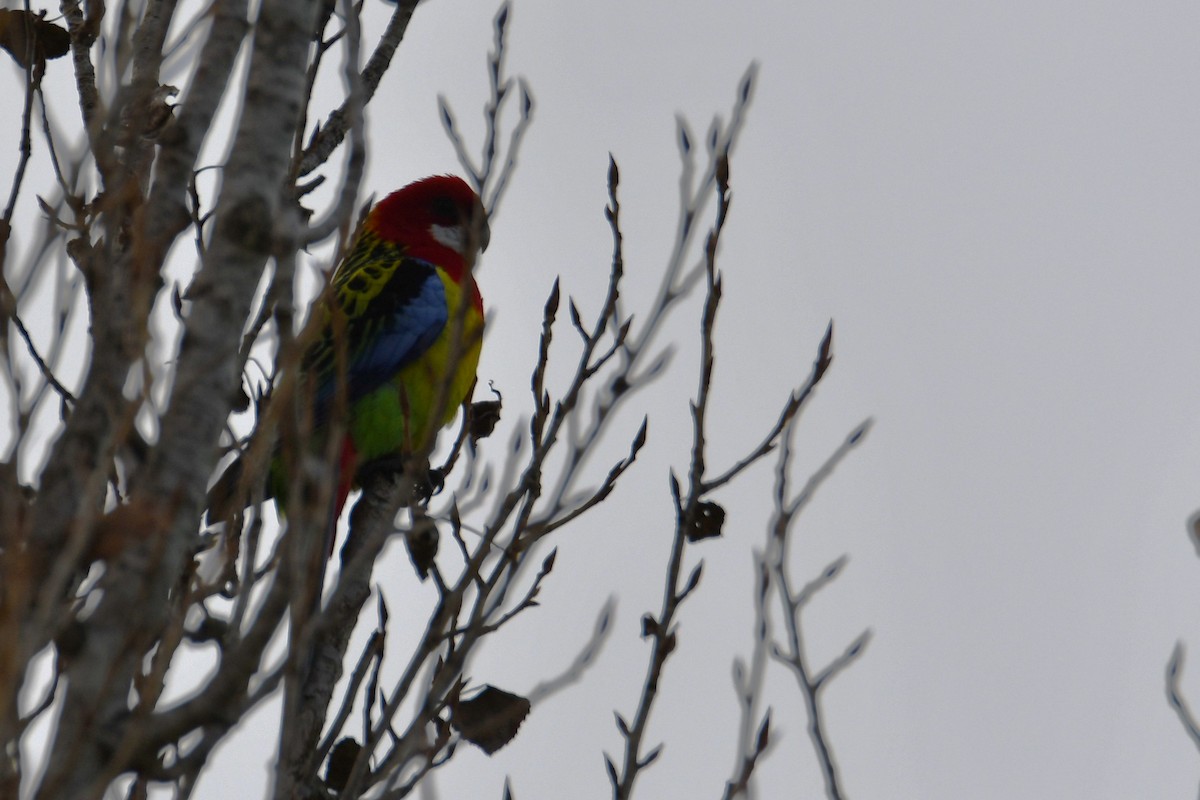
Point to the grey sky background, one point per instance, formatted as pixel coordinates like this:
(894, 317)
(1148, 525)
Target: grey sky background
(996, 205)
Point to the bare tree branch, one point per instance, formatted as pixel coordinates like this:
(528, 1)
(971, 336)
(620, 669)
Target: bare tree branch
(327, 137)
(776, 559)
(109, 584)
(1175, 697)
(245, 235)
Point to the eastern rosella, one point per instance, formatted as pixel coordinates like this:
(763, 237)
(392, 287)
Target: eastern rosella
(388, 337)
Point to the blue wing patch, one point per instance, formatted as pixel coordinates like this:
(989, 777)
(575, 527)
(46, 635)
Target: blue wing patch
(394, 310)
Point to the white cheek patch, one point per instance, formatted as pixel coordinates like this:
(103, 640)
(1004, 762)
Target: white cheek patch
(452, 236)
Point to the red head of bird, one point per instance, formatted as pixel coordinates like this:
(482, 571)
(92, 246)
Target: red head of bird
(438, 219)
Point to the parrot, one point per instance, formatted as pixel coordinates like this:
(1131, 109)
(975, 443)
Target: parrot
(385, 351)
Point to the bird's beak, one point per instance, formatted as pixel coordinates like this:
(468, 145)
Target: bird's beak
(483, 232)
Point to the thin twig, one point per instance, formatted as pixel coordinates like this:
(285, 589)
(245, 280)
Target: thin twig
(489, 183)
(748, 683)
(41, 364)
(1175, 696)
(661, 629)
(786, 511)
(25, 148)
(328, 136)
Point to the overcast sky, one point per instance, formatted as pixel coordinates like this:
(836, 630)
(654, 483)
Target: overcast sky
(996, 204)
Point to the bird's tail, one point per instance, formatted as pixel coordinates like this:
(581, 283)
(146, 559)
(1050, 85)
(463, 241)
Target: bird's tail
(229, 494)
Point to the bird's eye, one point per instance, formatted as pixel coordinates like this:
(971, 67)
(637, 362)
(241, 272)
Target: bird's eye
(445, 211)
